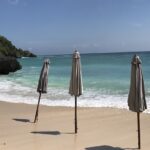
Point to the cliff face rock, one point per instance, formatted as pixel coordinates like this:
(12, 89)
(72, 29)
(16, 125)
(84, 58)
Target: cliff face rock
(9, 64)
(8, 55)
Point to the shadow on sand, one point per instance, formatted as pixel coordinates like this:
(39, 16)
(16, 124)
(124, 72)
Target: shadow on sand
(51, 132)
(106, 147)
(21, 120)
(46, 132)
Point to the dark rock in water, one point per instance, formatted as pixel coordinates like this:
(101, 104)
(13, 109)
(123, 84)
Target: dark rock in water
(9, 64)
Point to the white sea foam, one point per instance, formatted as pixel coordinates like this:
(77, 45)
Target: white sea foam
(17, 93)
(106, 81)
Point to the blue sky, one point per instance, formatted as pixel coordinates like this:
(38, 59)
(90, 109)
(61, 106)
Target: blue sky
(60, 26)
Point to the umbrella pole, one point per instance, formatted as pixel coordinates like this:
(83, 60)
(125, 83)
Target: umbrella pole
(37, 109)
(76, 128)
(139, 131)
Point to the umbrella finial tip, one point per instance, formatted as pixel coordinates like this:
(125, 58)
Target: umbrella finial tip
(75, 50)
(47, 61)
(136, 59)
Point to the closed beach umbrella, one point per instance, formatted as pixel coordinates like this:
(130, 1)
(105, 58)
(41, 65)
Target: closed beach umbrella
(76, 86)
(136, 98)
(42, 84)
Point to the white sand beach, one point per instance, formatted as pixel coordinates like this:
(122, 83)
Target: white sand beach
(98, 128)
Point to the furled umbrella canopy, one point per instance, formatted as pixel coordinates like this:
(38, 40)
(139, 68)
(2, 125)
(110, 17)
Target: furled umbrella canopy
(136, 98)
(42, 84)
(43, 80)
(76, 87)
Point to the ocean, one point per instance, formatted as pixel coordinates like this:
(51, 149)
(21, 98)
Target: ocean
(106, 80)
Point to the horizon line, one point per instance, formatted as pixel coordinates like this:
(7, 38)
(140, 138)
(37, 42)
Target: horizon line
(82, 53)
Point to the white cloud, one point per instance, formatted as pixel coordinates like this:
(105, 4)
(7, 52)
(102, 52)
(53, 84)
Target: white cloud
(137, 25)
(30, 48)
(87, 46)
(13, 2)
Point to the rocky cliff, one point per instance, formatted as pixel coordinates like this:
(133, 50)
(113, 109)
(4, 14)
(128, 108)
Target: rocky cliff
(8, 55)
(9, 64)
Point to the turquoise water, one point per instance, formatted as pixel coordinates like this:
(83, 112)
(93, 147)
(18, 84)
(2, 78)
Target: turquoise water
(106, 80)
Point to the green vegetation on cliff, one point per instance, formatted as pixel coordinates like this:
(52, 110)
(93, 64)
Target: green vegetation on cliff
(8, 49)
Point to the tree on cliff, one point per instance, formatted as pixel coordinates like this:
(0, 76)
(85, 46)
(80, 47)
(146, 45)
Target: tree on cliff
(8, 49)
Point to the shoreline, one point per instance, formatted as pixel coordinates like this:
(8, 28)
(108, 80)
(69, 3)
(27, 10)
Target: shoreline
(72, 107)
(98, 128)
